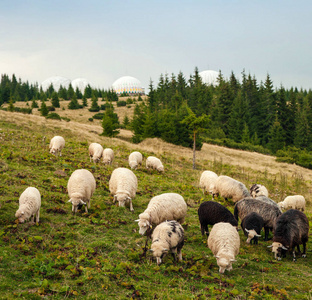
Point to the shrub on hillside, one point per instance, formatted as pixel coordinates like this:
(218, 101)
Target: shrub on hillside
(54, 116)
(121, 103)
(98, 116)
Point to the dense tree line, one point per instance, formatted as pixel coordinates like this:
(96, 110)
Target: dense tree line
(242, 112)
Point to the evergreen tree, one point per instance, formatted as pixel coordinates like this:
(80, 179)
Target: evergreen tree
(73, 104)
(55, 100)
(94, 104)
(196, 125)
(126, 122)
(34, 104)
(303, 134)
(84, 101)
(88, 91)
(70, 92)
(137, 122)
(276, 137)
(110, 123)
(44, 110)
(11, 107)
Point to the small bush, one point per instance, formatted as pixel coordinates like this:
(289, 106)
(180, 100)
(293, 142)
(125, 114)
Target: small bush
(98, 116)
(65, 119)
(51, 108)
(90, 119)
(121, 103)
(129, 101)
(54, 116)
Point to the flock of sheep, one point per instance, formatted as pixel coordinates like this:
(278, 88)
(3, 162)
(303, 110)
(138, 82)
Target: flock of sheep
(162, 219)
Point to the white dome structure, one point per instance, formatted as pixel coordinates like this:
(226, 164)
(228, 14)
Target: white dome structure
(128, 84)
(56, 81)
(80, 83)
(209, 77)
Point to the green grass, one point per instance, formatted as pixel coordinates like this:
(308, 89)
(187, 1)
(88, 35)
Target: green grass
(99, 255)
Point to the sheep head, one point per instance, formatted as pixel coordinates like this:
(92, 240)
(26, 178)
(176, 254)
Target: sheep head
(144, 223)
(251, 235)
(224, 263)
(20, 214)
(159, 252)
(122, 199)
(278, 249)
(76, 200)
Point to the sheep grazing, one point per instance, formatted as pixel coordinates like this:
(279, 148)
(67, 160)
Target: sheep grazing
(95, 152)
(167, 206)
(57, 144)
(123, 185)
(135, 160)
(228, 187)
(81, 186)
(207, 178)
(108, 156)
(258, 190)
(291, 230)
(167, 236)
(294, 202)
(153, 162)
(211, 212)
(267, 210)
(29, 205)
(252, 225)
(224, 243)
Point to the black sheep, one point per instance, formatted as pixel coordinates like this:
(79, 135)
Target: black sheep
(291, 230)
(252, 225)
(211, 212)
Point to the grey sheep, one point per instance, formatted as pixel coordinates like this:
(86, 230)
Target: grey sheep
(268, 211)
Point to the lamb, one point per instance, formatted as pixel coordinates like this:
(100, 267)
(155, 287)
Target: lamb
(207, 178)
(252, 225)
(135, 159)
(108, 156)
(123, 185)
(211, 212)
(168, 235)
(291, 230)
(268, 211)
(29, 205)
(95, 152)
(153, 162)
(228, 187)
(258, 190)
(57, 144)
(224, 243)
(81, 186)
(167, 206)
(295, 202)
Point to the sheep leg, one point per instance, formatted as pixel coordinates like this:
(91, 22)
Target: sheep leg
(204, 229)
(86, 208)
(294, 254)
(173, 253)
(131, 207)
(304, 250)
(298, 248)
(145, 246)
(266, 233)
(179, 250)
(37, 216)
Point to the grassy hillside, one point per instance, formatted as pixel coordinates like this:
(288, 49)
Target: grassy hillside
(99, 255)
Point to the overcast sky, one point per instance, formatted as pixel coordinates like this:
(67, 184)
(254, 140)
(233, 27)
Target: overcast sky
(102, 40)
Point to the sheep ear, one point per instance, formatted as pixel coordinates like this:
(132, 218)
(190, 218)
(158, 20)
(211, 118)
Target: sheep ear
(165, 249)
(246, 230)
(70, 200)
(81, 202)
(217, 256)
(232, 260)
(258, 235)
(138, 220)
(284, 248)
(129, 198)
(151, 250)
(270, 246)
(23, 212)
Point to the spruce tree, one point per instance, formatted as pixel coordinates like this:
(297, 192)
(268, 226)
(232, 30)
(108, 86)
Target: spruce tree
(73, 104)
(94, 104)
(84, 101)
(55, 100)
(110, 123)
(44, 110)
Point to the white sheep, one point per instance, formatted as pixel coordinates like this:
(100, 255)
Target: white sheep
(167, 206)
(95, 152)
(108, 156)
(207, 178)
(258, 190)
(168, 235)
(123, 185)
(295, 202)
(135, 159)
(81, 186)
(56, 146)
(29, 205)
(224, 243)
(228, 187)
(153, 162)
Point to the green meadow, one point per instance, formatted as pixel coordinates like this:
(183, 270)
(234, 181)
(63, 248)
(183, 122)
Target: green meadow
(100, 254)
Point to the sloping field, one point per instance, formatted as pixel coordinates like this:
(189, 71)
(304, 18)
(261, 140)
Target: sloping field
(99, 255)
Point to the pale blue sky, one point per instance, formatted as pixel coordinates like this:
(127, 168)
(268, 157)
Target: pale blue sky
(103, 40)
